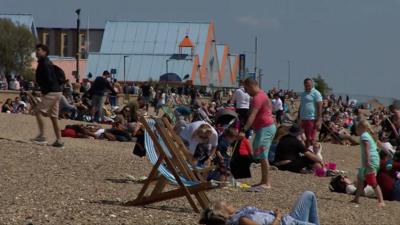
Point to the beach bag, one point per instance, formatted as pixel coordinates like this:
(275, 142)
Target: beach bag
(241, 160)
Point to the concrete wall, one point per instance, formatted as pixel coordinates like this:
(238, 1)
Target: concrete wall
(68, 65)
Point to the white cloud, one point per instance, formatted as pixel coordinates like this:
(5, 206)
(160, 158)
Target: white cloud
(258, 22)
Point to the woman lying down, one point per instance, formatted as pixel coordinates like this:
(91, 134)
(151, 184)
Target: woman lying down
(304, 213)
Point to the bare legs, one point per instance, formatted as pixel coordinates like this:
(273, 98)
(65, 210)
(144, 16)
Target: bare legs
(39, 119)
(360, 191)
(56, 128)
(54, 121)
(261, 144)
(265, 178)
(99, 112)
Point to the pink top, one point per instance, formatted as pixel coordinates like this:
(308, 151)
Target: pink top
(264, 116)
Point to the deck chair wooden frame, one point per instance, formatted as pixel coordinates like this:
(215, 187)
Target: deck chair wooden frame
(180, 171)
(393, 127)
(332, 134)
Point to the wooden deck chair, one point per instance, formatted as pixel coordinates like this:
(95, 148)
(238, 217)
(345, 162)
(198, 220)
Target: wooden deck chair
(394, 130)
(168, 169)
(332, 134)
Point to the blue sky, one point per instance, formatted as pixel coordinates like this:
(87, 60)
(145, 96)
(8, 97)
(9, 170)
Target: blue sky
(353, 44)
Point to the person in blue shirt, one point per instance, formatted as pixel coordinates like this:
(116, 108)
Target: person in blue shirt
(304, 212)
(310, 111)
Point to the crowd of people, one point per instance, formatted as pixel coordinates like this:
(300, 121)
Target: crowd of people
(231, 130)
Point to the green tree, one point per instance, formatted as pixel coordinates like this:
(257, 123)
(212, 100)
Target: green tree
(321, 85)
(16, 48)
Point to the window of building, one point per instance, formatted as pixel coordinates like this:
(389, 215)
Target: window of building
(64, 44)
(83, 53)
(82, 40)
(45, 39)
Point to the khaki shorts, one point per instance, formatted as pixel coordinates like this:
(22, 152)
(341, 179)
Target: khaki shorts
(98, 101)
(49, 104)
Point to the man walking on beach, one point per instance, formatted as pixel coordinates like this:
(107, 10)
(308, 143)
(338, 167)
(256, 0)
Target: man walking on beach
(260, 119)
(310, 112)
(51, 90)
(98, 92)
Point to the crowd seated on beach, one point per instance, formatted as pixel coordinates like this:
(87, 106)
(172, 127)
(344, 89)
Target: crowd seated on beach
(385, 127)
(214, 134)
(20, 105)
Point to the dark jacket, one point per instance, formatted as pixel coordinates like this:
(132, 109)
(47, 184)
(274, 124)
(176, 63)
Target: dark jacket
(46, 77)
(289, 148)
(100, 86)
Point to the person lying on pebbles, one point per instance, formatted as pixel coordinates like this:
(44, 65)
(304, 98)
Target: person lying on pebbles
(304, 212)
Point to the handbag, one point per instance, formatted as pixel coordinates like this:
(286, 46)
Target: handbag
(240, 164)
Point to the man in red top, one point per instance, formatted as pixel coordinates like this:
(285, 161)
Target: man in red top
(261, 121)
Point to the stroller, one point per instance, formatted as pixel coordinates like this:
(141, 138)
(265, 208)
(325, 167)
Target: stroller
(226, 118)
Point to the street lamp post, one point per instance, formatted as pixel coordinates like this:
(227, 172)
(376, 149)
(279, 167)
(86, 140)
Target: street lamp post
(255, 60)
(260, 75)
(288, 74)
(166, 65)
(257, 71)
(125, 56)
(78, 23)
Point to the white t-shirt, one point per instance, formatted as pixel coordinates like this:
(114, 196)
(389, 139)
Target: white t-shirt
(277, 104)
(368, 190)
(162, 99)
(99, 132)
(189, 129)
(241, 99)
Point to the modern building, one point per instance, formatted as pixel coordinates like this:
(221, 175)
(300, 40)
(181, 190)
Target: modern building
(22, 19)
(234, 62)
(228, 66)
(62, 41)
(142, 50)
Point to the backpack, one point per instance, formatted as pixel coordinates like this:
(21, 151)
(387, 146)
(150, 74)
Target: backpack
(59, 75)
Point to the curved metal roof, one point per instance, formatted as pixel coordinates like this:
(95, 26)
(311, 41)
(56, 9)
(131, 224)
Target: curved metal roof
(142, 37)
(148, 46)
